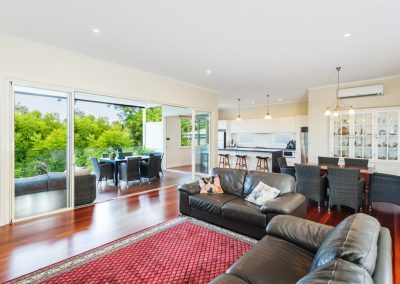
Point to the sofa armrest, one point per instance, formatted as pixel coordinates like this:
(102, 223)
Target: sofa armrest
(284, 204)
(228, 279)
(190, 188)
(304, 233)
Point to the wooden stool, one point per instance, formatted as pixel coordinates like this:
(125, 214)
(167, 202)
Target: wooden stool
(241, 162)
(262, 164)
(224, 161)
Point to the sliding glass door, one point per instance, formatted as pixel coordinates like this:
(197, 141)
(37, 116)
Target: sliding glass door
(201, 142)
(41, 179)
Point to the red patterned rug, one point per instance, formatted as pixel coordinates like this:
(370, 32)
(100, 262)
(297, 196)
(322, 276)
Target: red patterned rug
(183, 250)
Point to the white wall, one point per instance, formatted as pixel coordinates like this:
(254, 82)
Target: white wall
(176, 155)
(46, 66)
(320, 98)
(154, 138)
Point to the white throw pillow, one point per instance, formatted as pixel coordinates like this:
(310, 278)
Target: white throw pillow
(262, 193)
(80, 171)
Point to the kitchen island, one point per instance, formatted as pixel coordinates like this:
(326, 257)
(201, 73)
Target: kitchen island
(252, 153)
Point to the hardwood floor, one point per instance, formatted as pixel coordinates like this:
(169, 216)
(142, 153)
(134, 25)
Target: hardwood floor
(29, 245)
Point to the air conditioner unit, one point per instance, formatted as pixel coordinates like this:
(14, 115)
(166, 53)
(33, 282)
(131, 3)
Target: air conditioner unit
(372, 90)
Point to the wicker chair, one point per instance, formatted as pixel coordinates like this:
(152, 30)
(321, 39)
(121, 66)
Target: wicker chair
(362, 163)
(384, 188)
(284, 168)
(161, 155)
(102, 171)
(130, 171)
(151, 169)
(345, 187)
(328, 161)
(310, 183)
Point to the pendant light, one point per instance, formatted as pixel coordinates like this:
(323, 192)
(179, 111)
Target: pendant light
(338, 105)
(267, 116)
(239, 118)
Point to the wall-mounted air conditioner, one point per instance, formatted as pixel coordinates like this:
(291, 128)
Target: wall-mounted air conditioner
(372, 90)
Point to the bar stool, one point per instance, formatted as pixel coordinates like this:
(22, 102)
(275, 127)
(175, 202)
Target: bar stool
(241, 162)
(224, 161)
(262, 164)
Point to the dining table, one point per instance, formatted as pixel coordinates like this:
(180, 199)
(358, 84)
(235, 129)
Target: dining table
(365, 173)
(117, 162)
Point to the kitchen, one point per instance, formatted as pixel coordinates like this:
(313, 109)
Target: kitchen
(266, 138)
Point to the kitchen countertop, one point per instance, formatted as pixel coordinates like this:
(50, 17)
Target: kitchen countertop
(251, 149)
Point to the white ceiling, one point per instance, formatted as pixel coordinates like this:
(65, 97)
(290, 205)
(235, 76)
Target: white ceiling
(252, 47)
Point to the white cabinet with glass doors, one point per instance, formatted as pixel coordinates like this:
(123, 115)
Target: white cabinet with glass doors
(369, 134)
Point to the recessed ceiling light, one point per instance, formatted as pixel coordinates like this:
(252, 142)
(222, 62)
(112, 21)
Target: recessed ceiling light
(96, 31)
(208, 72)
(347, 35)
(280, 99)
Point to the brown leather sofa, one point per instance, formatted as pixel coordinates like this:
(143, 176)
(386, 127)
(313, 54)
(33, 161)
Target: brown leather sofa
(299, 251)
(231, 211)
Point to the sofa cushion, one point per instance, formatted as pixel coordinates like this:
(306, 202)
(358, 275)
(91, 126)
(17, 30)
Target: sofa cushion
(244, 212)
(30, 185)
(338, 271)
(210, 184)
(232, 180)
(284, 183)
(262, 193)
(355, 239)
(57, 180)
(211, 203)
(273, 260)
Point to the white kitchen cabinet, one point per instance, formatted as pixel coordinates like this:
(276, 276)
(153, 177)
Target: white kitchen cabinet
(275, 125)
(370, 134)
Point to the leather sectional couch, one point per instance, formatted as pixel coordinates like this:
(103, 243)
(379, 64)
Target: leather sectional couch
(295, 250)
(231, 211)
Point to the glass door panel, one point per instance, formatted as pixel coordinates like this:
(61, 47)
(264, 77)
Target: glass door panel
(363, 135)
(201, 141)
(40, 151)
(388, 135)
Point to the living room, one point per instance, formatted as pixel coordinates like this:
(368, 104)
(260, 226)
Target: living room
(199, 142)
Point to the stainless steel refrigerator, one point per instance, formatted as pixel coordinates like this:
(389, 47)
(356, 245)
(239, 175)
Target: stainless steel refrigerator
(304, 144)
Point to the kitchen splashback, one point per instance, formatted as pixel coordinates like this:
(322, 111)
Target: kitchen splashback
(267, 140)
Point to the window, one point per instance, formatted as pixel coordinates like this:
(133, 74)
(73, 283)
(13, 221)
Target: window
(186, 131)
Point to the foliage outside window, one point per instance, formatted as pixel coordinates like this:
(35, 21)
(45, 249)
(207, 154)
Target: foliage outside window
(154, 114)
(186, 132)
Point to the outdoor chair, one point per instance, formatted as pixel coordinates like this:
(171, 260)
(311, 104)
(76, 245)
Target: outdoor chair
(130, 171)
(151, 169)
(310, 183)
(284, 168)
(345, 187)
(328, 161)
(160, 169)
(103, 171)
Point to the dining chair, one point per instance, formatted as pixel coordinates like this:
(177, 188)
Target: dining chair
(310, 183)
(345, 187)
(362, 163)
(130, 171)
(160, 169)
(284, 168)
(384, 188)
(328, 161)
(150, 169)
(103, 171)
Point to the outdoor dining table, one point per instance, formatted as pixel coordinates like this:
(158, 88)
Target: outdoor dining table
(116, 162)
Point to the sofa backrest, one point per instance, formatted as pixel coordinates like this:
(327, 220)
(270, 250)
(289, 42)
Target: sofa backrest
(232, 180)
(355, 239)
(285, 183)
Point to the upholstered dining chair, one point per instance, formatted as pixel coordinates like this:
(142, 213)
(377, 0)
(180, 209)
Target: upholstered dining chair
(284, 168)
(130, 171)
(345, 187)
(102, 171)
(362, 163)
(328, 161)
(310, 183)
